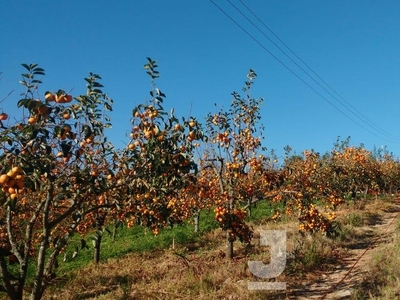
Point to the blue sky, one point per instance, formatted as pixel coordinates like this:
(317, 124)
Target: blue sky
(203, 57)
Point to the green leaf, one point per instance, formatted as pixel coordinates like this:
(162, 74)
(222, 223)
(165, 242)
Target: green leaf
(87, 131)
(48, 150)
(38, 70)
(13, 204)
(32, 104)
(26, 67)
(22, 102)
(107, 106)
(66, 147)
(96, 84)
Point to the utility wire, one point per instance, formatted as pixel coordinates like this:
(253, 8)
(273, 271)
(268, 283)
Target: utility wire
(355, 112)
(344, 103)
(291, 71)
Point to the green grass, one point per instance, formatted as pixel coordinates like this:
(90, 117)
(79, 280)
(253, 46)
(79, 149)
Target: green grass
(135, 239)
(263, 210)
(140, 239)
(356, 219)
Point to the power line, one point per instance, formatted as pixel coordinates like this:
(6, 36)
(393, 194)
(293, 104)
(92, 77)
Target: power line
(355, 112)
(344, 103)
(291, 71)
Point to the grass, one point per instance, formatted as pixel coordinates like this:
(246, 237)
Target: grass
(356, 219)
(136, 239)
(193, 278)
(196, 269)
(310, 253)
(139, 265)
(141, 240)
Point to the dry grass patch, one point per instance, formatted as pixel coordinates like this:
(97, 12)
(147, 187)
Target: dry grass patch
(199, 270)
(382, 280)
(163, 275)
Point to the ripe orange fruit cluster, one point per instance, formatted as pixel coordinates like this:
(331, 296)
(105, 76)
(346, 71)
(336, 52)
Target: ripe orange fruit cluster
(58, 98)
(192, 123)
(13, 182)
(223, 137)
(32, 120)
(66, 133)
(192, 136)
(220, 213)
(335, 201)
(3, 116)
(150, 112)
(312, 220)
(240, 213)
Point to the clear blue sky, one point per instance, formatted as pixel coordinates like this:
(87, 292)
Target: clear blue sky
(203, 57)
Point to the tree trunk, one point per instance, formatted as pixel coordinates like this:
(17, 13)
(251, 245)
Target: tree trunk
(229, 249)
(96, 252)
(365, 192)
(197, 221)
(12, 291)
(40, 282)
(249, 201)
(114, 232)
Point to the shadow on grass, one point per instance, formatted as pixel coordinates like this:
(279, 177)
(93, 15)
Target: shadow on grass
(372, 219)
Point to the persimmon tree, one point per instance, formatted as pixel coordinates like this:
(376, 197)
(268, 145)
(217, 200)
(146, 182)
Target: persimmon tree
(231, 162)
(305, 184)
(328, 180)
(54, 159)
(355, 170)
(197, 197)
(389, 170)
(157, 163)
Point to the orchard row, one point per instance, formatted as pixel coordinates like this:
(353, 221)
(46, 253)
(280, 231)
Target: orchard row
(59, 173)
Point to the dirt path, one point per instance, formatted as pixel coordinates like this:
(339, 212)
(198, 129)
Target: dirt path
(339, 283)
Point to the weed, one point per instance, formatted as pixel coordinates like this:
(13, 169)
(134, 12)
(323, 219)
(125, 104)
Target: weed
(355, 219)
(311, 253)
